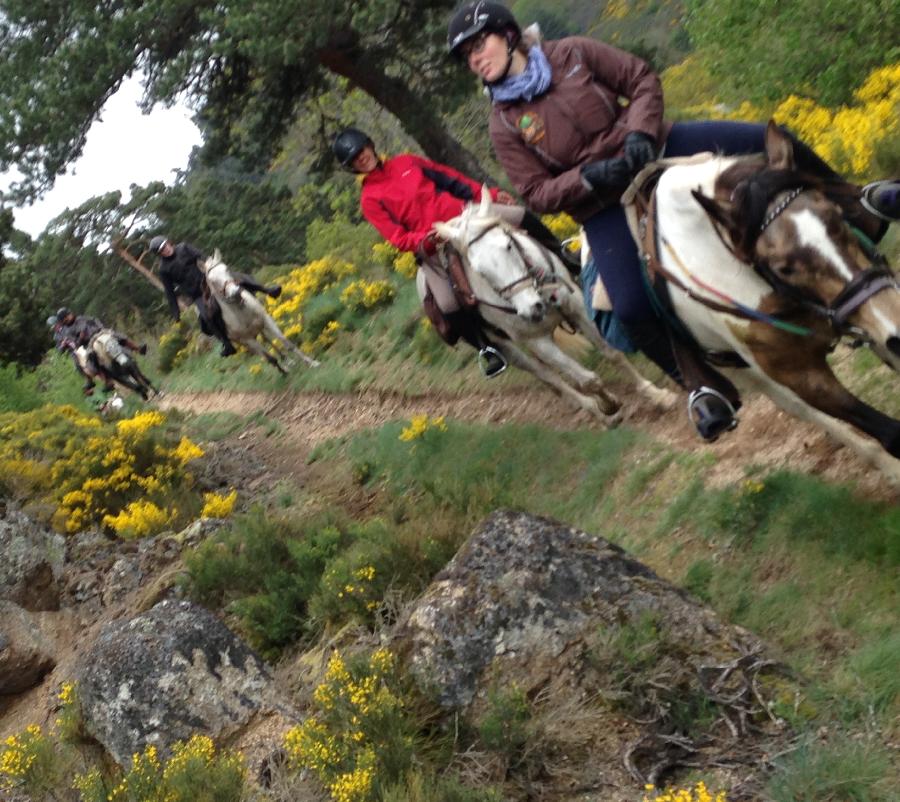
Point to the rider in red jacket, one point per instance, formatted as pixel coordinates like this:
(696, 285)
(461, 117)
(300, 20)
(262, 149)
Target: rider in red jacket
(403, 197)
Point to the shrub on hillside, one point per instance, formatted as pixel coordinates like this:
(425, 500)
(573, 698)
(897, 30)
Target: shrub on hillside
(131, 476)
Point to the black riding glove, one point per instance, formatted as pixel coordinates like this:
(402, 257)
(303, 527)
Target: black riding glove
(606, 174)
(639, 150)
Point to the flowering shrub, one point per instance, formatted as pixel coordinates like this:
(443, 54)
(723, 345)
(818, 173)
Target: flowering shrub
(193, 772)
(216, 506)
(362, 294)
(848, 137)
(419, 425)
(358, 737)
(697, 794)
(122, 475)
(173, 347)
(69, 720)
(301, 285)
(563, 228)
(28, 761)
(403, 262)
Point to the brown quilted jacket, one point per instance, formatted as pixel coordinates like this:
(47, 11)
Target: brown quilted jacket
(598, 94)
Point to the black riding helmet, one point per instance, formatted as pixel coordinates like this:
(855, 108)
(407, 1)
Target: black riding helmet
(62, 313)
(473, 18)
(348, 144)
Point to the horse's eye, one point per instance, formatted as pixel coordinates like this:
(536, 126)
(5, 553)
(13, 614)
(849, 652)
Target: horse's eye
(785, 268)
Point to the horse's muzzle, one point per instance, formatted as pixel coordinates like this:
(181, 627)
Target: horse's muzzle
(538, 311)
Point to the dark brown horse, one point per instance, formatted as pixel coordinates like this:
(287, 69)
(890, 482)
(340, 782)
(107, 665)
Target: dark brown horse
(765, 266)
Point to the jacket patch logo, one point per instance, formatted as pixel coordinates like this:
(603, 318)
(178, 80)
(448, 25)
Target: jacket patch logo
(531, 127)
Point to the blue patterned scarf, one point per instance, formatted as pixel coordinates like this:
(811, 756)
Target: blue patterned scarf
(534, 80)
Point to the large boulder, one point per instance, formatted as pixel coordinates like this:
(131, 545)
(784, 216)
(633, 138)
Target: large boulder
(32, 562)
(165, 675)
(25, 655)
(626, 675)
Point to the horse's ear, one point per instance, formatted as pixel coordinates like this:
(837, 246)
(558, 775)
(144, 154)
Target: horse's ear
(485, 209)
(217, 255)
(779, 148)
(720, 212)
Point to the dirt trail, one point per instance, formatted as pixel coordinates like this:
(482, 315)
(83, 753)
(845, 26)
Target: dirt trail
(765, 437)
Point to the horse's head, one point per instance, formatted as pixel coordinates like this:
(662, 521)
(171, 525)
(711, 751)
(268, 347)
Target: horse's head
(499, 254)
(780, 221)
(218, 276)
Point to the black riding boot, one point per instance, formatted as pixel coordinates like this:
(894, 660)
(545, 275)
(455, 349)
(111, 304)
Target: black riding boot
(470, 328)
(713, 399)
(535, 228)
(249, 283)
(217, 325)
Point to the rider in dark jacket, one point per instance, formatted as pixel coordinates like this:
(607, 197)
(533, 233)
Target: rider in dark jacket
(181, 275)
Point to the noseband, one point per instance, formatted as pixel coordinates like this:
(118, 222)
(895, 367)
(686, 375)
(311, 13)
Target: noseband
(858, 290)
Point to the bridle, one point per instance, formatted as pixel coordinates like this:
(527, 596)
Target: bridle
(863, 286)
(536, 276)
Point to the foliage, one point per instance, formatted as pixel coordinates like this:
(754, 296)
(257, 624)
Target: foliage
(359, 739)
(265, 570)
(503, 727)
(94, 472)
(767, 50)
(218, 506)
(28, 761)
(70, 719)
(849, 137)
(323, 298)
(419, 786)
(554, 24)
(699, 793)
(842, 770)
(173, 346)
(245, 65)
(194, 773)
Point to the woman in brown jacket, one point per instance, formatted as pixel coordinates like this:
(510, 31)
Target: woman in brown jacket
(568, 144)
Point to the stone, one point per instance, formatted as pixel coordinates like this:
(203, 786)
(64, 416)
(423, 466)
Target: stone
(32, 563)
(166, 674)
(25, 655)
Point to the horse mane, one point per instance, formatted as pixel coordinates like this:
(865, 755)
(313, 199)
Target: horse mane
(750, 191)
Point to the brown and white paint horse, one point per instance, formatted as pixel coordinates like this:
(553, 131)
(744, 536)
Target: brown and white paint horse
(756, 232)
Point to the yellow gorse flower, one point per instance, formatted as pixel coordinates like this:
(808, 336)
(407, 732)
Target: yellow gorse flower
(419, 425)
(95, 472)
(699, 793)
(216, 506)
(340, 745)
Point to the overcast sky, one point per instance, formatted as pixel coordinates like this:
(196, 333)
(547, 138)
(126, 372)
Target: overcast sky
(123, 148)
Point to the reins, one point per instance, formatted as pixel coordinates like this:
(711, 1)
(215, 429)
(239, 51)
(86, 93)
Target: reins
(860, 289)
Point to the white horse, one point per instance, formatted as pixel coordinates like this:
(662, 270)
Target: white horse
(525, 291)
(245, 317)
(761, 264)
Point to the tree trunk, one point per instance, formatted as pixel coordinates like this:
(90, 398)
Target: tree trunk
(414, 112)
(148, 274)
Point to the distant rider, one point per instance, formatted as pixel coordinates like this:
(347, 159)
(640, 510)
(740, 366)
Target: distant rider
(181, 275)
(71, 332)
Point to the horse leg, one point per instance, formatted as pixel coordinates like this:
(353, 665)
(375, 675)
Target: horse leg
(257, 348)
(574, 310)
(272, 332)
(522, 360)
(549, 352)
(815, 394)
